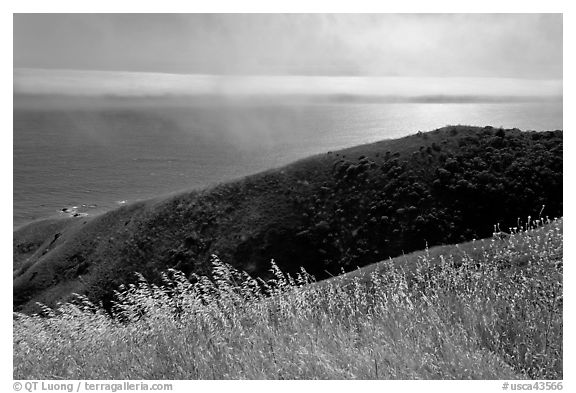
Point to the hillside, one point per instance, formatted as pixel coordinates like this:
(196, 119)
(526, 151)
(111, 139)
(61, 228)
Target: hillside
(488, 309)
(326, 213)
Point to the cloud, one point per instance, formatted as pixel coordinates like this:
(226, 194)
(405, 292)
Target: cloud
(111, 83)
(412, 45)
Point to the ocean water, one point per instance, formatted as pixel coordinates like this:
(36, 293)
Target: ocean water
(90, 160)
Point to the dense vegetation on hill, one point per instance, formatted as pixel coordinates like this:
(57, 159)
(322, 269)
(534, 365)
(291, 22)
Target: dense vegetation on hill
(489, 309)
(330, 212)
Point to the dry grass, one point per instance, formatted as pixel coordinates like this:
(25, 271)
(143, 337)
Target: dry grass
(498, 316)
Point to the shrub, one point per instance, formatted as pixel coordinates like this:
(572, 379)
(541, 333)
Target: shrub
(492, 312)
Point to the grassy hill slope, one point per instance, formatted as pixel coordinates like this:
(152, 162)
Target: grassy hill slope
(489, 309)
(329, 212)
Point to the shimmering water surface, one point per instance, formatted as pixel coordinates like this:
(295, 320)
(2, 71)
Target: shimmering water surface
(90, 160)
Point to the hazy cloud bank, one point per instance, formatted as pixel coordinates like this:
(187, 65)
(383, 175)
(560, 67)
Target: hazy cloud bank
(138, 84)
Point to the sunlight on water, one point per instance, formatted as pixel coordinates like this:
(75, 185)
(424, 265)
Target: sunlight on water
(92, 159)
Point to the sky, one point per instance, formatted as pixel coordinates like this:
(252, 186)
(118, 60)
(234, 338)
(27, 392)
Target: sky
(197, 53)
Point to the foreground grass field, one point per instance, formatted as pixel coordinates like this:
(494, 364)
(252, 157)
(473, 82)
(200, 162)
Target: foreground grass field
(487, 309)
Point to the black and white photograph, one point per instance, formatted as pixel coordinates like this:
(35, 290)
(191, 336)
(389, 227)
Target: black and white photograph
(287, 196)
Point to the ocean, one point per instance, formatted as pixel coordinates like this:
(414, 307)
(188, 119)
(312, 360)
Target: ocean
(84, 161)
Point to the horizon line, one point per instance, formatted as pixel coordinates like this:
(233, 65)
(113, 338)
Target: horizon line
(130, 83)
(279, 75)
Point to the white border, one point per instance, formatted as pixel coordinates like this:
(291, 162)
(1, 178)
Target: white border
(421, 6)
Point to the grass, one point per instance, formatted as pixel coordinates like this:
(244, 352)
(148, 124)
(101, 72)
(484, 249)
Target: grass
(337, 210)
(492, 313)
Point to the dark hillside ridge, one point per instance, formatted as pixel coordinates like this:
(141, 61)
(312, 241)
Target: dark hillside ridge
(335, 211)
(516, 253)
